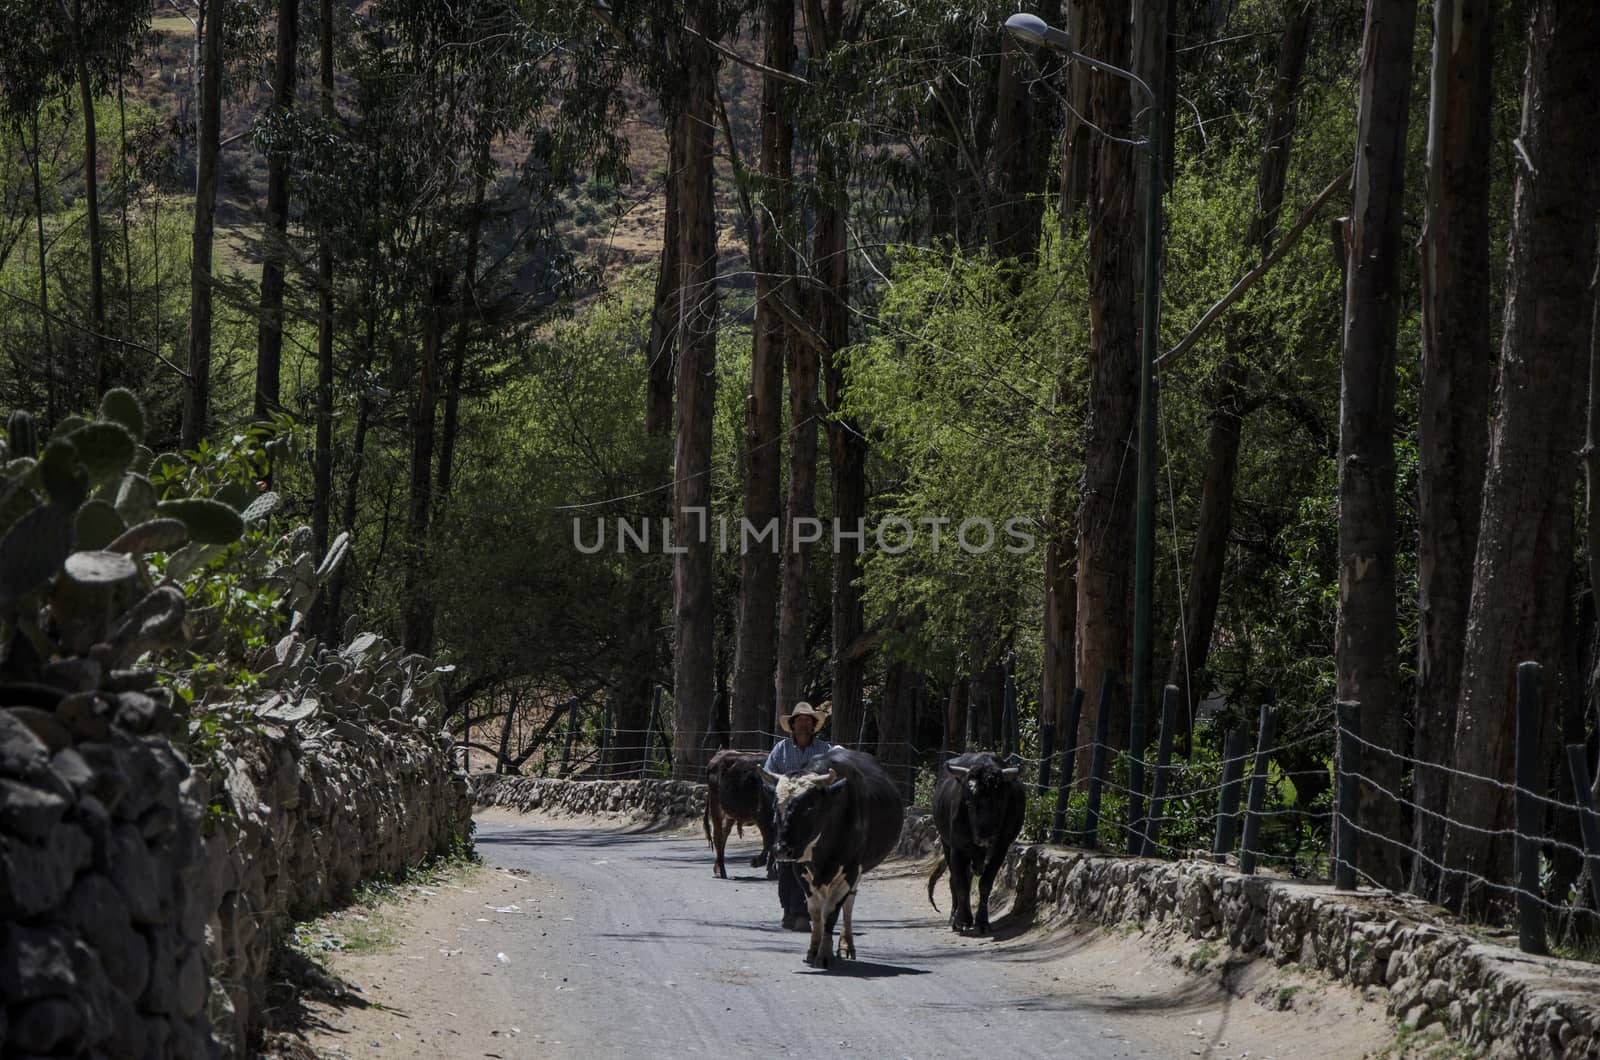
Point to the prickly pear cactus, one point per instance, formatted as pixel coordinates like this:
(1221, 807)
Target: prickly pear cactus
(80, 600)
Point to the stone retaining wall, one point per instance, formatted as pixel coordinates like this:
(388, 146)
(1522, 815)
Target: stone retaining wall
(643, 798)
(308, 817)
(1497, 1001)
(102, 900)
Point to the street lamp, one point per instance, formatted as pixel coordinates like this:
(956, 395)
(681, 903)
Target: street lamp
(1031, 29)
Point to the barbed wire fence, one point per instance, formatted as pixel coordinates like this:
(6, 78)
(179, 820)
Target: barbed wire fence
(1240, 807)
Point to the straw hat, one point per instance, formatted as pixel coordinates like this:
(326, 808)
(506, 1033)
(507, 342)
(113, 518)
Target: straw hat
(820, 713)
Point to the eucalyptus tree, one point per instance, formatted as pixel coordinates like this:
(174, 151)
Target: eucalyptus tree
(1526, 529)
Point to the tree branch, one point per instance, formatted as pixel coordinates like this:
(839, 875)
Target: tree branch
(1248, 280)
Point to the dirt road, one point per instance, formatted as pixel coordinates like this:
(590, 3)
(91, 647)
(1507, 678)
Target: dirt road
(609, 942)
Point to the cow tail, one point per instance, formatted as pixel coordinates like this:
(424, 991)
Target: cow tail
(938, 870)
(705, 821)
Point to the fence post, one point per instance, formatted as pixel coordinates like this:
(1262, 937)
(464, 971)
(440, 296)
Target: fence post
(1258, 792)
(566, 743)
(605, 740)
(1097, 760)
(1009, 719)
(1588, 822)
(1228, 809)
(1346, 793)
(1138, 738)
(1069, 760)
(650, 731)
(1530, 913)
(1158, 793)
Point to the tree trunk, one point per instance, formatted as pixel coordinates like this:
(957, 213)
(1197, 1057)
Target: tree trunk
(956, 718)
(52, 405)
(503, 761)
(418, 633)
(1076, 134)
(322, 486)
(694, 606)
(1108, 494)
(801, 504)
(127, 238)
(1453, 407)
(91, 202)
(755, 674)
(1191, 642)
(1366, 648)
(458, 356)
(197, 401)
(1016, 162)
(269, 336)
(1525, 534)
(661, 351)
(1058, 676)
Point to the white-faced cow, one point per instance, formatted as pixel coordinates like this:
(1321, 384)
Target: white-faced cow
(736, 795)
(978, 806)
(838, 819)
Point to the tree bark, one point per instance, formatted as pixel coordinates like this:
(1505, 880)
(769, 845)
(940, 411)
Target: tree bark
(1191, 642)
(466, 305)
(52, 405)
(1453, 407)
(693, 660)
(1525, 533)
(800, 504)
(1366, 648)
(1075, 133)
(1108, 494)
(662, 344)
(91, 202)
(419, 613)
(269, 334)
(956, 718)
(322, 485)
(198, 395)
(755, 660)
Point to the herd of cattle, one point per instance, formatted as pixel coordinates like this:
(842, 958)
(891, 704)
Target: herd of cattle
(840, 817)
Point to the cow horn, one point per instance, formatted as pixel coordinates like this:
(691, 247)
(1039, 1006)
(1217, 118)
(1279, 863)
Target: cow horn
(959, 771)
(772, 778)
(1010, 771)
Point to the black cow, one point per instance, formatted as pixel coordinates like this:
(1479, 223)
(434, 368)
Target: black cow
(736, 795)
(978, 808)
(838, 819)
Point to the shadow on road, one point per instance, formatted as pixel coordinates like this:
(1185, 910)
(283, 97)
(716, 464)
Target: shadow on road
(843, 969)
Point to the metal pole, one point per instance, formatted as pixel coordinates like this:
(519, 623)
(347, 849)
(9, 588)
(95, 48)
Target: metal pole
(1069, 760)
(1530, 912)
(1588, 822)
(1158, 795)
(1097, 760)
(1228, 810)
(1144, 544)
(1258, 792)
(1347, 794)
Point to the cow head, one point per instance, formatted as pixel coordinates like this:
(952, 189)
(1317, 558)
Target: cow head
(800, 810)
(983, 796)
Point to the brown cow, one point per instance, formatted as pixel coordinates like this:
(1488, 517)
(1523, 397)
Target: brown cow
(736, 795)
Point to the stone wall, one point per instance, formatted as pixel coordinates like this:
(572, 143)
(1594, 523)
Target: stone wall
(103, 901)
(306, 818)
(140, 904)
(640, 798)
(1494, 999)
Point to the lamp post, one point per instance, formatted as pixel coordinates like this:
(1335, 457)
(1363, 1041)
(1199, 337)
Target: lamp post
(1032, 29)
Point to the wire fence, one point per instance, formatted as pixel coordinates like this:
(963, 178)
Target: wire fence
(1308, 803)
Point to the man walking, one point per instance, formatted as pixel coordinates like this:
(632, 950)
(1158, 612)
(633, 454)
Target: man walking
(796, 751)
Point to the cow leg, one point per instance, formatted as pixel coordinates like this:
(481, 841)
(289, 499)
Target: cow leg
(960, 892)
(847, 939)
(766, 845)
(815, 905)
(985, 884)
(720, 826)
